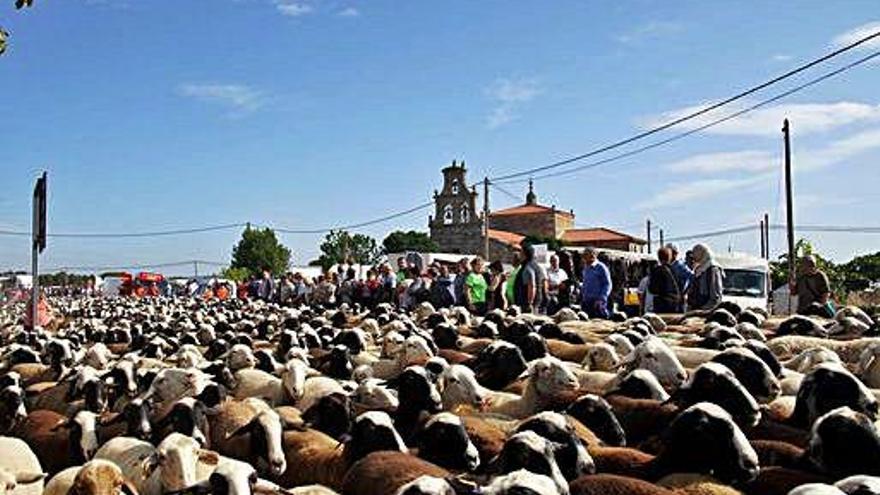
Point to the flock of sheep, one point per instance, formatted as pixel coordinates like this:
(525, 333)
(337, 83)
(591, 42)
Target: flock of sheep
(167, 396)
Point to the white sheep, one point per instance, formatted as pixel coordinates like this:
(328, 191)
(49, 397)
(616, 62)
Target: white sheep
(20, 470)
(172, 466)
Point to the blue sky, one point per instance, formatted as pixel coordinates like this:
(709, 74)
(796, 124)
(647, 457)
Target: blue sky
(166, 114)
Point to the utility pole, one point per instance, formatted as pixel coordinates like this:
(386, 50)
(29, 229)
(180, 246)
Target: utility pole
(38, 243)
(486, 219)
(196, 268)
(649, 234)
(661, 238)
(767, 235)
(761, 230)
(789, 200)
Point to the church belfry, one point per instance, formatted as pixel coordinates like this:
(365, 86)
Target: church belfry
(455, 226)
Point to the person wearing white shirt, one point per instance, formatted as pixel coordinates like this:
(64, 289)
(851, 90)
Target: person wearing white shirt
(555, 277)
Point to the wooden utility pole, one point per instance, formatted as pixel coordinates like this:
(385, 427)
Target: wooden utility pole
(761, 230)
(767, 235)
(648, 227)
(661, 238)
(789, 202)
(486, 219)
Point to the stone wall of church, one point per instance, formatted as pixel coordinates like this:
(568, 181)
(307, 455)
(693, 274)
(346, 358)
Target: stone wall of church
(458, 238)
(535, 224)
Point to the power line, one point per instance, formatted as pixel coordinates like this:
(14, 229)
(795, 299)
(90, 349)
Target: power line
(355, 225)
(505, 191)
(797, 228)
(708, 125)
(692, 115)
(103, 235)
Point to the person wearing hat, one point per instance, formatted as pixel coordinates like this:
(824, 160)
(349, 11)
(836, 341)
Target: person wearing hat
(812, 286)
(595, 285)
(683, 274)
(707, 286)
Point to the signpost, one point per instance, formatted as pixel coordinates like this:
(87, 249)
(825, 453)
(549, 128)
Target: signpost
(38, 234)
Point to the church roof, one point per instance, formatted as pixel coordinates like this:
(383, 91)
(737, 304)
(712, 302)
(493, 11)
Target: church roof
(597, 234)
(528, 210)
(503, 236)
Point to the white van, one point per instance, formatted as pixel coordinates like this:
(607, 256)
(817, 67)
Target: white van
(746, 279)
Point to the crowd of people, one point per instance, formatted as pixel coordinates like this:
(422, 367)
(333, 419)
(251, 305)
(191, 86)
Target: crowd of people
(673, 285)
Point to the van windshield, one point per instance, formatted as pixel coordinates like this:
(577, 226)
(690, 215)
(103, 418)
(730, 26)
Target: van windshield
(746, 283)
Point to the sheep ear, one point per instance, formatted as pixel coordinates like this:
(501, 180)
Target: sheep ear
(246, 428)
(149, 464)
(128, 489)
(28, 477)
(61, 425)
(115, 419)
(462, 486)
(209, 457)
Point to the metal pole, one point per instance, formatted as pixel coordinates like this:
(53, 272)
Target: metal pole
(767, 235)
(486, 218)
(35, 286)
(661, 238)
(789, 200)
(196, 268)
(649, 234)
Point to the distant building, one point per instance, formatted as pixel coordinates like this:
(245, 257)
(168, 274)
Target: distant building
(457, 226)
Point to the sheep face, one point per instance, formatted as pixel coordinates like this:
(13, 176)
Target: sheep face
(810, 359)
(293, 379)
(427, 485)
(498, 364)
(715, 383)
(752, 372)
(372, 396)
(232, 478)
(828, 387)
(83, 435)
(100, 477)
(658, 358)
(240, 357)
(188, 417)
(417, 391)
(550, 376)
(596, 414)
(844, 442)
(9, 480)
(176, 458)
(621, 344)
(704, 439)
(416, 351)
(601, 357)
(445, 442)
(459, 386)
(570, 454)
(12, 403)
(638, 384)
(528, 450)
(373, 431)
(331, 414)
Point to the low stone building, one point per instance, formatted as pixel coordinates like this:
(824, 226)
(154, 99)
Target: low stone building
(457, 226)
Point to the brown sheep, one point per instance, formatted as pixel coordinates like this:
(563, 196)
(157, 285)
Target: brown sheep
(96, 477)
(781, 454)
(641, 419)
(780, 481)
(381, 473)
(610, 484)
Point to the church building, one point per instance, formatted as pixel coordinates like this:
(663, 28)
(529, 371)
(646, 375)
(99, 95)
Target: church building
(457, 225)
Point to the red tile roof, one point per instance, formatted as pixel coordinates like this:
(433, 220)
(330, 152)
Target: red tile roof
(597, 234)
(509, 238)
(528, 210)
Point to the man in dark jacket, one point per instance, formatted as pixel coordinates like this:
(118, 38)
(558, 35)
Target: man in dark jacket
(663, 285)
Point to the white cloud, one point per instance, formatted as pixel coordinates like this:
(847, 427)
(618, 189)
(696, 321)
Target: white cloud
(746, 161)
(699, 190)
(858, 33)
(238, 97)
(508, 95)
(781, 57)
(755, 168)
(293, 9)
(349, 12)
(653, 29)
(805, 118)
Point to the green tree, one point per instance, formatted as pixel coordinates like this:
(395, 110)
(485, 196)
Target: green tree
(553, 244)
(859, 272)
(836, 274)
(237, 274)
(400, 241)
(259, 249)
(340, 246)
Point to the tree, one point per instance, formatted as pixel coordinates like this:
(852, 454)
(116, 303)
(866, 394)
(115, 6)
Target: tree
(259, 249)
(836, 274)
(340, 246)
(400, 241)
(236, 274)
(553, 244)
